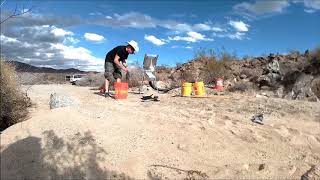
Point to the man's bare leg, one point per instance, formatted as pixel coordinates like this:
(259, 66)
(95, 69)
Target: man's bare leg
(106, 86)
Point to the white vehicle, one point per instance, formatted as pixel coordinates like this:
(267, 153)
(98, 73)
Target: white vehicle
(74, 78)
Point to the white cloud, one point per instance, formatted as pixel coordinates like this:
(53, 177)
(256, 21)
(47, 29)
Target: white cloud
(181, 27)
(217, 29)
(202, 27)
(80, 54)
(70, 52)
(183, 47)
(196, 35)
(239, 25)
(93, 37)
(233, 36)
(192, 37)
(313, 4)
(237, 35)
(132, 19)
(71, 40)
(154, 40)
(139, 20)
(60, 32)
(205, 27)
(5, 39)
(261, 7)
(49, 55)
(95, 13)
(309, 11)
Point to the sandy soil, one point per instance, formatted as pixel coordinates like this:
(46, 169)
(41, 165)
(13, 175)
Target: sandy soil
(175, 138)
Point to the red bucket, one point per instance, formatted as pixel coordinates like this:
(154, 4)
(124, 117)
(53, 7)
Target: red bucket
(219, 84)
(121, 90)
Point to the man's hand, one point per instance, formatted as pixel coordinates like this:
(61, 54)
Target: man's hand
(125, 69)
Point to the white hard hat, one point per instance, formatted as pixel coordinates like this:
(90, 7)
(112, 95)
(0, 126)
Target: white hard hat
(134, 45)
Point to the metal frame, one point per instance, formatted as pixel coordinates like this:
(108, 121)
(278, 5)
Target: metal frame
(149, 67)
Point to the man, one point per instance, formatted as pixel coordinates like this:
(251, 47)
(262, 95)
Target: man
(115, 61)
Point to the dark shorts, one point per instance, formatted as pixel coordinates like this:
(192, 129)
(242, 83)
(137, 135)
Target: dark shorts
(111, 72)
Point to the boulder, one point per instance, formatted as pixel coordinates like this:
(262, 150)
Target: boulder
(302, 87)
(315, 87)
(59, 100)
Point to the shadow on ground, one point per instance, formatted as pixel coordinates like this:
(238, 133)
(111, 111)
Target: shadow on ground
(78, 157)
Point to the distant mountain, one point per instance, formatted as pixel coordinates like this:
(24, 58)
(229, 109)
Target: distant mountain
(23, 67)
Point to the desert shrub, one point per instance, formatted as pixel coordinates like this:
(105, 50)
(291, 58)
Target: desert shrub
(13, 103)
(135, 76)
(215, 64)
(178, 65)
(314, 56)
(187, 76)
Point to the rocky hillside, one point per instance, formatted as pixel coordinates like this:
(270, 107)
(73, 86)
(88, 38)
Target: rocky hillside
(291, 76)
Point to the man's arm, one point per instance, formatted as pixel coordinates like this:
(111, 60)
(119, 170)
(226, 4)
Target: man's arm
(117, 62)
(124, 63)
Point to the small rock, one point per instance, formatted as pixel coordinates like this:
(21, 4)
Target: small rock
(262, 167)
(182, 147)
(243, 76)
(246, 167)
(58, 100)
(260, 96)
(210, 122)
(258, 118)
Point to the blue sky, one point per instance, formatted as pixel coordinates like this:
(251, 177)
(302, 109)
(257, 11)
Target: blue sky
(78, 33)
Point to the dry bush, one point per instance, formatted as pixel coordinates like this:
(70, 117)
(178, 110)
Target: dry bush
(135, 77)
(187, 76)
(314, 56)
(13, 103)
(215, 64)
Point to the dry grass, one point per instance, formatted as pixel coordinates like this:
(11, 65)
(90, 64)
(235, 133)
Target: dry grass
(13, 103)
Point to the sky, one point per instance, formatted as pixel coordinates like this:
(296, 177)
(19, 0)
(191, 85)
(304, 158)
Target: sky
(79, 33)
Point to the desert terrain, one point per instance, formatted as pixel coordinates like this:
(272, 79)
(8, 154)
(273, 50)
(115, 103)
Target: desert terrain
(176, 137)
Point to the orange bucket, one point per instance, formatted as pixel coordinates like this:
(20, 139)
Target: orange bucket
(121, 90)
(219, 84)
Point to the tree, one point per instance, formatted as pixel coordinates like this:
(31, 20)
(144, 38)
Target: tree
(15, 13)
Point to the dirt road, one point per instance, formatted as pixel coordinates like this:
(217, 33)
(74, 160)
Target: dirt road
(174, 138)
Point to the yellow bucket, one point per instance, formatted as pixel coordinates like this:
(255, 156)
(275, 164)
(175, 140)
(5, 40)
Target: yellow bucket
(186, 89)
(198, 88)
